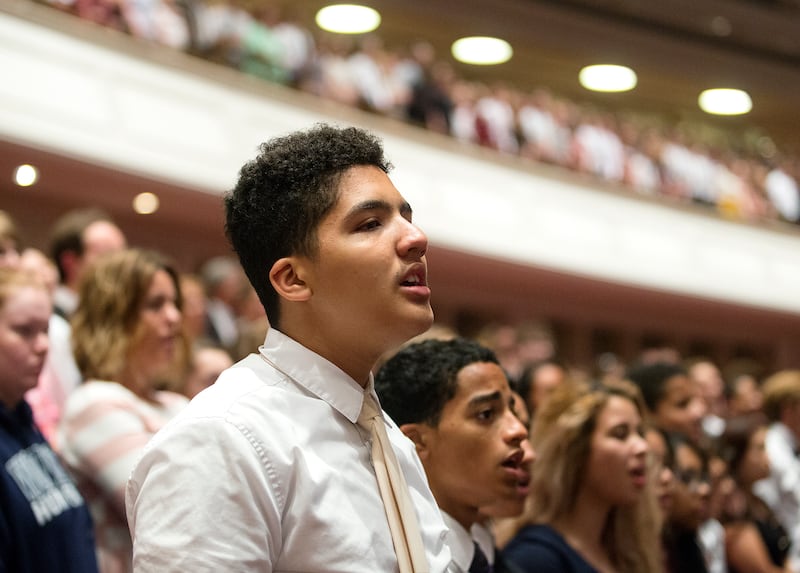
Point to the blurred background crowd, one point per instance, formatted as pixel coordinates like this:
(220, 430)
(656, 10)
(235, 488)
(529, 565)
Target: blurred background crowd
(739, 173)
(131, 339)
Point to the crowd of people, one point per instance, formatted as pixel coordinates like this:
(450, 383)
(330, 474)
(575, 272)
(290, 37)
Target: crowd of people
(740, 175)
(129, 442)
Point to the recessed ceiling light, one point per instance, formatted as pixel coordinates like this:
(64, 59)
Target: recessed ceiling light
(725, 101)
(607, 78)
(145, 203)
(721, 26)
(348, 19)
(482, 50)
(25, 175)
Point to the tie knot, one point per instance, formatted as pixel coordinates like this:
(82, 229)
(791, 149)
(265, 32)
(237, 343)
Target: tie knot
(369, 411)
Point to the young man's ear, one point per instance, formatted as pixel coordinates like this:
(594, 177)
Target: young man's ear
(417, 433)
(286, 276)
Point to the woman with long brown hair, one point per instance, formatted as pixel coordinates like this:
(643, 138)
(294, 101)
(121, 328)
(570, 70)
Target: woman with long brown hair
(128, 340)
(590, 507)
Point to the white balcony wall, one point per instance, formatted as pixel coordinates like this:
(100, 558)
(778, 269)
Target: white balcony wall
(122, 104)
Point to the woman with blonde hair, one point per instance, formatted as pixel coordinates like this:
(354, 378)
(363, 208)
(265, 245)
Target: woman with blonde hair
(590, 507)
(128, 340)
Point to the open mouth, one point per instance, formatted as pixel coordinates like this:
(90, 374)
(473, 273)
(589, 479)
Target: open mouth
(414, 278)
(514, 461)
(520, 473)
(639, 475)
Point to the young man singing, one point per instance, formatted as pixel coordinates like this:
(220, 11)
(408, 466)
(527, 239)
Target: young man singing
(287, 463)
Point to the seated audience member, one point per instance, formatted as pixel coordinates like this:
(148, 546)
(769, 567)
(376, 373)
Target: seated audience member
(781, 490)
(60, 374)
(44, 523)
(711, 534)
(755, 541)
(661, 462)
(127, 339)
(706, 376)
(452, 399)
(538, 380)
(590, 507)
(194, 308)
(674, 404)
(744, 395)
(77, 239)
(662, 457)
(206, 364)
(692, 491)
(223, 279)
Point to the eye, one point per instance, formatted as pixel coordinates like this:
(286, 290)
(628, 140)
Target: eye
(485, 414)
(369, 225)
(620, 432)
(28, 331)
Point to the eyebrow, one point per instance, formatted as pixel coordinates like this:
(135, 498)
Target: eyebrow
(483, 398)
(378, 205)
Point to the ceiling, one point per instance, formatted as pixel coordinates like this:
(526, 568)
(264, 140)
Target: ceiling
(677, 47)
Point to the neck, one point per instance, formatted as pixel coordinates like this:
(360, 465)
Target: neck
(138, 383)
(583, 528)
(354, 359)
(465, 516)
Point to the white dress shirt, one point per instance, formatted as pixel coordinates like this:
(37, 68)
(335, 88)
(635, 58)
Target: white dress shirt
(266, 470)
(781, 490)
(462, 546)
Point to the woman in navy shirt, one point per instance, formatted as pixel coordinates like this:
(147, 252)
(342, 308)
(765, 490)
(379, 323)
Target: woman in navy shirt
(591, 508)
(44, 523)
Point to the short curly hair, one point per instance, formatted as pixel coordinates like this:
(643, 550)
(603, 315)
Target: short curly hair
(415, 384)
(282, 195)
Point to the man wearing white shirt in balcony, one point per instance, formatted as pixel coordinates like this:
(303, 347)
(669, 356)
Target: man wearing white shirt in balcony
(270, 468)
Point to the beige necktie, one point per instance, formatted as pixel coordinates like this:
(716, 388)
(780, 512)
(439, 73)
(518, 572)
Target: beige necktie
(400, 513)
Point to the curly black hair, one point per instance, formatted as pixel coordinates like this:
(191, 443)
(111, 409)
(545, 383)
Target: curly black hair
(282, 195)
(415, 384)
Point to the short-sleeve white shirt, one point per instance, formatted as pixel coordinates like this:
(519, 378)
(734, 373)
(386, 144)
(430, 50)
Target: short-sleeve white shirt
(266, 470)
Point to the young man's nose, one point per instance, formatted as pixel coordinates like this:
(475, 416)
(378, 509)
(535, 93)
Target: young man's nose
(414, 240)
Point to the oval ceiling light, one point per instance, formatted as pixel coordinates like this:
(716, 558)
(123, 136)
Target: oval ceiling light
(725, 101)
(25, 175)
(607, 78)
(145, 203)
(482, 50)
(348, 19)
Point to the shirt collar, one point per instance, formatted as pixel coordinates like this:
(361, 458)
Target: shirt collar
(314, 373)
(460, 542)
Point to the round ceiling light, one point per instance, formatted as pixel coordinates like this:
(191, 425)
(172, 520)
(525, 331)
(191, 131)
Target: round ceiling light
(725, 101)
(145, 203)
(607, 78)
(348, 19)
(481, 50)
(25, 175)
